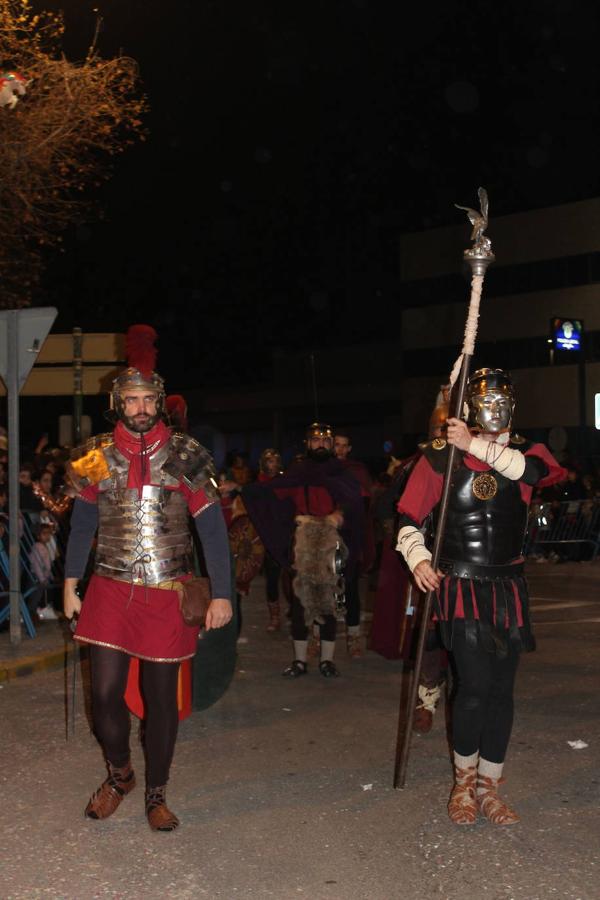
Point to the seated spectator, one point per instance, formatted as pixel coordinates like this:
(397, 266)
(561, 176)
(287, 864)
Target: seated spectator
(40, 559)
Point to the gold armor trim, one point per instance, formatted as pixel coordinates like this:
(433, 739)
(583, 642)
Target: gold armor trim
(88, 464)
(485, 486)
(438, 443)
(165, 659)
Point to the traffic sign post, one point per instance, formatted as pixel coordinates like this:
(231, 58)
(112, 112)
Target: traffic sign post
(22, 334)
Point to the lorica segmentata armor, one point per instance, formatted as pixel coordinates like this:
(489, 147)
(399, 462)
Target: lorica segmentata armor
(143, 538)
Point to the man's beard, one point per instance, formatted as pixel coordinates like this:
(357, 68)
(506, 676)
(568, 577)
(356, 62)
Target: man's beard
(321, 454)
(139, 426)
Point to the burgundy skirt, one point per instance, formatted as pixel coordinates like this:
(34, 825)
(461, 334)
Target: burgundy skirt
(141, 621)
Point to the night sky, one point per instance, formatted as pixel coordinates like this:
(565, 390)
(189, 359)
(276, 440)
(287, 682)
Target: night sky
(289, 146)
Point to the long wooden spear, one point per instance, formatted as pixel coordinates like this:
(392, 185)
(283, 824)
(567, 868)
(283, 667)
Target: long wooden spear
(479, 257)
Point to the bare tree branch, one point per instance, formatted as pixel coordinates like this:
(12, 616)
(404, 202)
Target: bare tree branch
(57, 141)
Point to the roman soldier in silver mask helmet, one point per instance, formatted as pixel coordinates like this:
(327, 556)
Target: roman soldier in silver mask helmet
(491, 401)
(480, 596)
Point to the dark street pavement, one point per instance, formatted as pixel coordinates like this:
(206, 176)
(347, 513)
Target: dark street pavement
(284, 788)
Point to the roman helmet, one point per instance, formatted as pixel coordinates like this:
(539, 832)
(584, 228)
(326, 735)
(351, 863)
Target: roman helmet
(139, 375)
(437, 420)
(490, 399)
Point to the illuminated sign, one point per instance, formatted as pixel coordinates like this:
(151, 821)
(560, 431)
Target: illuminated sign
(566, 334)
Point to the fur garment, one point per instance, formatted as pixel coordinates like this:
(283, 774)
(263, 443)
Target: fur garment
(318, 582)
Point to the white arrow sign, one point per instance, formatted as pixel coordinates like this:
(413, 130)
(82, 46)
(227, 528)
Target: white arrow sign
(32, 327)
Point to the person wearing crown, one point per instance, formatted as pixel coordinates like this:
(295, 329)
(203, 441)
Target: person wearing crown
(137, 487)
(481, 598)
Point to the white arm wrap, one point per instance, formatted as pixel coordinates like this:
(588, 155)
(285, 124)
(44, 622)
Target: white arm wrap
(411, 545)
(501, 457)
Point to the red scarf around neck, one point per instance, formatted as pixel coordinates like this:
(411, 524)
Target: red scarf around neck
(137, 449)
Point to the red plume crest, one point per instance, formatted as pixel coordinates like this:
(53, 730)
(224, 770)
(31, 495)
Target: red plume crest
(140, 351)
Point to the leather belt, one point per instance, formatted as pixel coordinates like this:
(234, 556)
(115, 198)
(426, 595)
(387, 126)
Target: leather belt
(480, 573)
(173, 584)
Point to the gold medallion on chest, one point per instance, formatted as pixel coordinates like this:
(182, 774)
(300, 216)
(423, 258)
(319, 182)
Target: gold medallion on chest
(485, 486)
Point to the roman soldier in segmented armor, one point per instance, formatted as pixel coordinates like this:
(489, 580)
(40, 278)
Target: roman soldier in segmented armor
(481, 598)
(308, 517)
(137, 487)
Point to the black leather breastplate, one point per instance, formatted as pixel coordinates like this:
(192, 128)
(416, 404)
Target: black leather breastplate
(484, 532)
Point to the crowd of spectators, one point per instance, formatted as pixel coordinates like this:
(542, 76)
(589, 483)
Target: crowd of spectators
(43, 514)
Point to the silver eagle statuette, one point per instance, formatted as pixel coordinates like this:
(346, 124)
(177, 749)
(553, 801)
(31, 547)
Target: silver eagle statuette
(482, 246)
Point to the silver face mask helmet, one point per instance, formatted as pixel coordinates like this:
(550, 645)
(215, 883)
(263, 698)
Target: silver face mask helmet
(134, 380)
(491, 401)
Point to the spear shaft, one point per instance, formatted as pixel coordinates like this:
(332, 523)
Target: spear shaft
(479, 258)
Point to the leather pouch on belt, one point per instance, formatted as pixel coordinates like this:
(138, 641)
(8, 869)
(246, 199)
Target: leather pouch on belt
(194, 598)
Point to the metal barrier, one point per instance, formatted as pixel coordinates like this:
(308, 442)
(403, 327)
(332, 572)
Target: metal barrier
(564, 524)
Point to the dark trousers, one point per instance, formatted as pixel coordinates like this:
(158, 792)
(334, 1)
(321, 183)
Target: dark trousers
(272, 573)
(352, 600)
(482, 713)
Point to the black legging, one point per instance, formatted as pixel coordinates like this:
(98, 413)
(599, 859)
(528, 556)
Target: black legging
(352, 600)
(109, 670)
(482, 713)
(272, 573)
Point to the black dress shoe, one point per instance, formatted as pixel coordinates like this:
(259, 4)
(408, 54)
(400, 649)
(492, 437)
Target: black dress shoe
(328, 669)
(295, 670)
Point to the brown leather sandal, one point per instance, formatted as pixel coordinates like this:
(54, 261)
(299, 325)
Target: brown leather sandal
(106, 799)
(160, 817)
(462, 806)
(490, 804)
